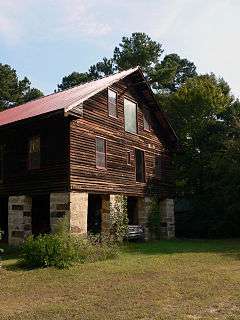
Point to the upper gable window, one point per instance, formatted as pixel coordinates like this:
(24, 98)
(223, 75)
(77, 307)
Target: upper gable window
(1, 163)
(112, 103)
(146, 125)
(130, 116)
(34, 154)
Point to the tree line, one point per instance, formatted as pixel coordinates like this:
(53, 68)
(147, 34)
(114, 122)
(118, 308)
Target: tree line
(204, 114)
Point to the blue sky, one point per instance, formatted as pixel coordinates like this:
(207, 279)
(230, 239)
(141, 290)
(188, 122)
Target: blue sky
(48, 39)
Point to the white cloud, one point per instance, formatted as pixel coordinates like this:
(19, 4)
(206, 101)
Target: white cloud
(79, 18)
(50, 19)
(10, 29)
(205, 31)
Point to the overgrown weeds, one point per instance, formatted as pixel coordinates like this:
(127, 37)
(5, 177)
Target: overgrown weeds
(62, 250)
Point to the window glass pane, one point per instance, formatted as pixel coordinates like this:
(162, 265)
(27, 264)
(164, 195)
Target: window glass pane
(100, 145)
(112, 103)
(35, 160)
(100, 153)
(100, 160)
(140, 165)
(146, 125)
(130, 114)
(34, 144)
(34, 153)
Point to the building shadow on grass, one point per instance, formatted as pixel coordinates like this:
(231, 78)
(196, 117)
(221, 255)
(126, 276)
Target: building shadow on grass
(11, 253)
(224, 246)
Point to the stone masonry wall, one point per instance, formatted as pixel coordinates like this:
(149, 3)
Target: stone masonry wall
(19, 219)
(167, 226)
(108, 202)
(59, 208)
(144, 206)
(105, 214)
(166, 212)
(70, 206)
(78, 212)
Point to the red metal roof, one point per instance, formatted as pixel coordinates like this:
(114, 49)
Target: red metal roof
(65, 100)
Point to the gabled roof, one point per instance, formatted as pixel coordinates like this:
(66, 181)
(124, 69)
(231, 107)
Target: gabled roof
(65, 100)
(69, 100)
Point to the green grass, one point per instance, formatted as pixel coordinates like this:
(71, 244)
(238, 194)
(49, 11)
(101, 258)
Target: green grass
(162, 280)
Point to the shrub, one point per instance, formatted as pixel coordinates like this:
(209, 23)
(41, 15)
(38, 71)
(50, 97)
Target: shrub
(48, 250)
(95, 247)
(62, 250)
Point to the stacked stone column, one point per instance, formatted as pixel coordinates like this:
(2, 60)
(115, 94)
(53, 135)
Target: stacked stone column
(78, 212)
(70, 207)
(19, 219)
(110, 202)
(167, 226)
(166, 213)
(73, 208)
(105, 214)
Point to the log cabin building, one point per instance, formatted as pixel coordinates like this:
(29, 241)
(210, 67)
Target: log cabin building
(72, 153)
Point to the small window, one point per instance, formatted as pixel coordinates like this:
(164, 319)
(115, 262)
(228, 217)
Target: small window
(112, 103)
(1, 163)
(100, 153)
(130, 116)
(34, 153)
(128, 157)
(146, 125)
(140, 165)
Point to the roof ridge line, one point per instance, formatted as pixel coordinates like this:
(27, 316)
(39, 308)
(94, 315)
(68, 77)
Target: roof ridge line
(58, 92)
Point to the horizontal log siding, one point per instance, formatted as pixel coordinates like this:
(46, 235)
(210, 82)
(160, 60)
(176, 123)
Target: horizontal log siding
(118, 177)
(53, 175)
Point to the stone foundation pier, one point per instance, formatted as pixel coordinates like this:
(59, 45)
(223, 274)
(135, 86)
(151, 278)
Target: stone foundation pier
(72, 207)
(19, 219)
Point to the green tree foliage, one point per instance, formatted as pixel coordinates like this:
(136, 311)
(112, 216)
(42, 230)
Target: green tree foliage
(205, 116)
(14, 91)
(74, 79)
(101, 69)
(96, 71)
(172, 72)
(138, 50)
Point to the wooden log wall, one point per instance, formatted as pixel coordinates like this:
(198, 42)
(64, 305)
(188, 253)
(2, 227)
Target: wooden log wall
(53, 174)
(118, 177)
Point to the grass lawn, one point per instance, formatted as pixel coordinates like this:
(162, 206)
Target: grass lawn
(162, 280)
